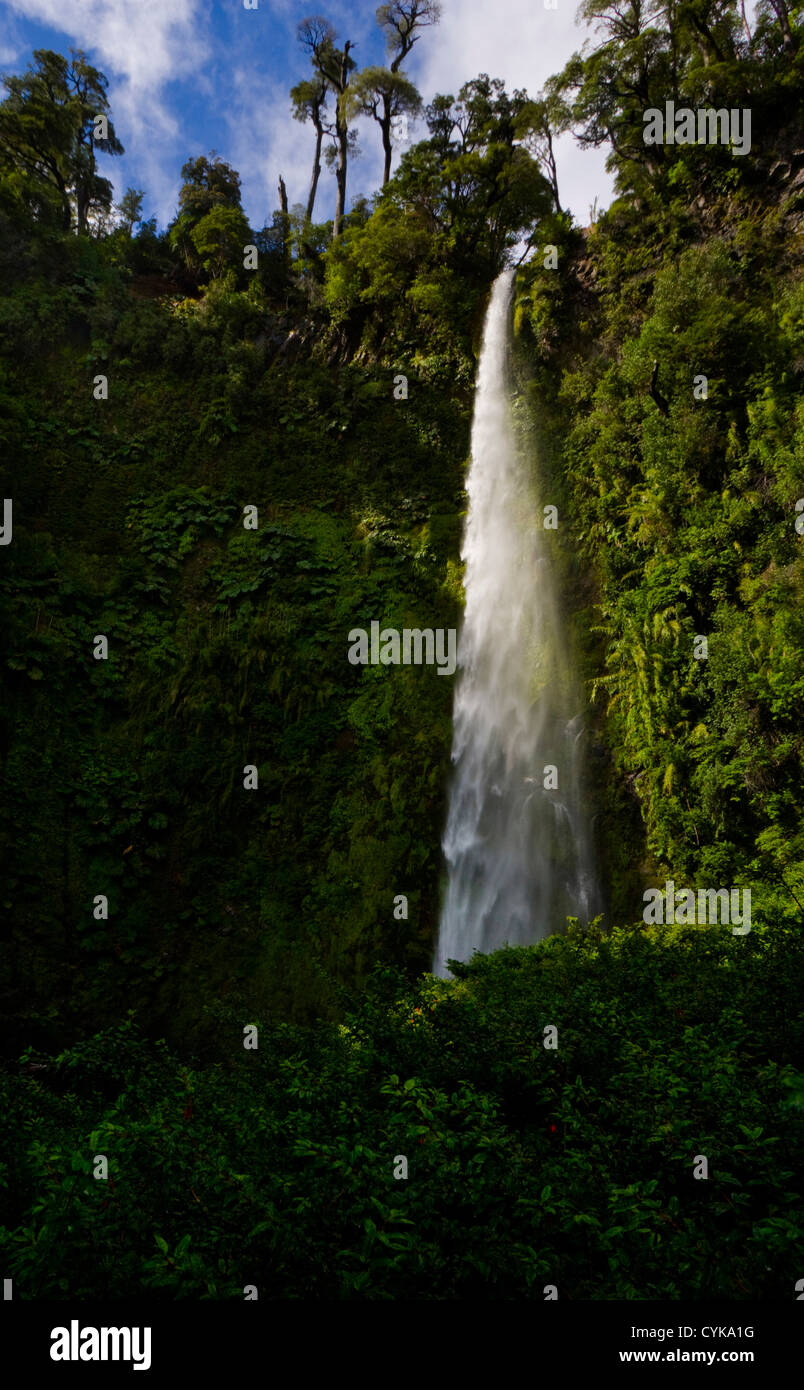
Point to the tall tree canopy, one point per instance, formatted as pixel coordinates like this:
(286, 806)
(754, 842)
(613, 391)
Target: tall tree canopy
(459, 202)
(208, 182)
(52, 122)
(400, 21)
(383, 95)
(211, 227)
(309, 103)
(335, 66)
(696, 53)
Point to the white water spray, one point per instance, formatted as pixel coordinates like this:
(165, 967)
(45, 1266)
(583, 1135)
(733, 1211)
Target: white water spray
(518, 849)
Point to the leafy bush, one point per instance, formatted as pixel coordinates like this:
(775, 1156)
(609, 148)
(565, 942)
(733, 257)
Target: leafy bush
(527, 1165)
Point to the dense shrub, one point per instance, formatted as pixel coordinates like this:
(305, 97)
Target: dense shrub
(527, 1165)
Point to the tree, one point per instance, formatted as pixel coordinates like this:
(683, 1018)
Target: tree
(696, 53)
(445, 223)
(209, 185)
(129, 209)
(383, 95)
(334, 66)
(274, 245)
(88, 91)
(539, 122)
(387, 92)
(608, 90)
(782, 13)
(54, 119)
(482, 187)
(708, 28)
(309, 100)
(219, 238)
(400, 20)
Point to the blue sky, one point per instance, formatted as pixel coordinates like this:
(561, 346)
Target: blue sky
(190, 76)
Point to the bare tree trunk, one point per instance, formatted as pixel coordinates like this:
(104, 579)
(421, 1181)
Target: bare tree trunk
(656, 394)
(285, 221)
(780, 10)
(385, 131)
(342, 133)
(711, 49)
(82, 191)
(340, 178)
(319, 135)
(66, 209)
(81, 210)
(552, 172)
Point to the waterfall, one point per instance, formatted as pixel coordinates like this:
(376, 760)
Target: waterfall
(517, 846)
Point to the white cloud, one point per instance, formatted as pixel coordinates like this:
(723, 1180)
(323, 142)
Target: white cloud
(146, 41)
(11, 43)
(265, 142)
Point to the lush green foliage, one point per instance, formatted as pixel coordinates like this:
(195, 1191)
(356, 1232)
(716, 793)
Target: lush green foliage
(227, 647)
(527, 1166)
(688, 517)
(55, 116)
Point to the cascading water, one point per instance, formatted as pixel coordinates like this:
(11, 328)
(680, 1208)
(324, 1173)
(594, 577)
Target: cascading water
(517, 845)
